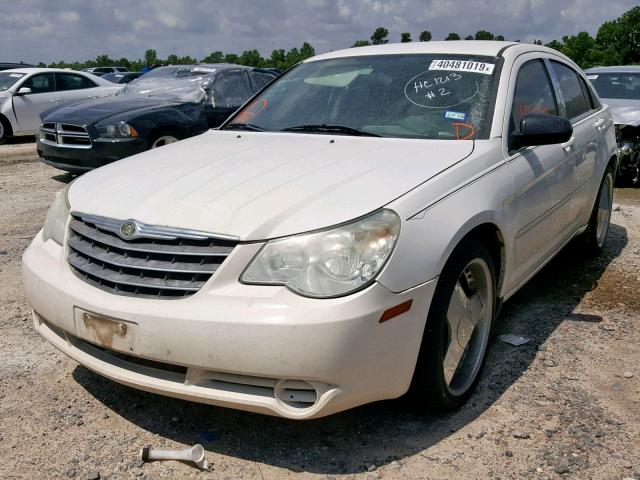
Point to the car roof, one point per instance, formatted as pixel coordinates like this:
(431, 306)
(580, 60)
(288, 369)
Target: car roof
(454, 47)
(217, 66)
(461, 47)
(613, 69)
(28, 71)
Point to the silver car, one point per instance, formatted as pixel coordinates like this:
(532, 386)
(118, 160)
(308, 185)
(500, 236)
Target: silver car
(27, 92)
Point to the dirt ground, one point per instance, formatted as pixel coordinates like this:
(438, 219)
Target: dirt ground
(565, 405)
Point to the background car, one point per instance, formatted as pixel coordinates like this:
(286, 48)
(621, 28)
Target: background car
(27, 92)
(619, 87)
(9, 65)
(121, 77)
(161, 107)
(99, 71)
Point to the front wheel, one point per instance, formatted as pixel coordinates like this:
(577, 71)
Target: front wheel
(598, 228)
(459, 326)
(162, 140)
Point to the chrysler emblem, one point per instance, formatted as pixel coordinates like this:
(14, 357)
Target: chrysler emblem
(127, 229)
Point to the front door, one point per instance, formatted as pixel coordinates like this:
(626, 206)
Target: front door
(543, 177)
(29, 106)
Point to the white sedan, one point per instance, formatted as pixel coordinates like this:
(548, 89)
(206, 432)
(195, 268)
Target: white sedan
(347, 235)
(27, 92)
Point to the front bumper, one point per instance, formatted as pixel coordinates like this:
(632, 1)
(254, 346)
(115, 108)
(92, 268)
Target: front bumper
(78, 160)
(239, 346)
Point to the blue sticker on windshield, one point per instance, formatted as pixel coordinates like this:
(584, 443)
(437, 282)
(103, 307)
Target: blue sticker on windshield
(455, 115)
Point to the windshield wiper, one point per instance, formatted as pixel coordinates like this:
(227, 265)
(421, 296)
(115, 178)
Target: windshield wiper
(245, 126)
(327, 128)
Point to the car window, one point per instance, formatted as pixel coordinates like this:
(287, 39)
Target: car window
(230, 90)
(40, 83)
(574, 96)
(72, 81)
(616, 85)
(260, 79)
(592, 100)
(121, 69)
(7, 79)
(129, 78)
(533, 93)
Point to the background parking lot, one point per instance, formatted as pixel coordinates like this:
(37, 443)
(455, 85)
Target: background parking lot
(566, 404)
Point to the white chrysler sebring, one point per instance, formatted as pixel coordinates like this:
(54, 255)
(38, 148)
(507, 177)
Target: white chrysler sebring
(348, 235)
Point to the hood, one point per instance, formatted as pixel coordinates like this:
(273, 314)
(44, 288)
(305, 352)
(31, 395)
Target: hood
(262, 185)
(625, 112)
(87, 112)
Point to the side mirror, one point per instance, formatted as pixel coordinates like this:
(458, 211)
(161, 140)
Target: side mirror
(24, 91)
(540, 129)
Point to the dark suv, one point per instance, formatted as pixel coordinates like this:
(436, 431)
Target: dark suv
(9, 65)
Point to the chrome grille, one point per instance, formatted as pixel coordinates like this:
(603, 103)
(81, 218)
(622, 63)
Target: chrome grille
(156, 262)
(64, 135)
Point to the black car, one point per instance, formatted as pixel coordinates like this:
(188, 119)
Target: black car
(9, 65)
(161, 107)
(121, 77)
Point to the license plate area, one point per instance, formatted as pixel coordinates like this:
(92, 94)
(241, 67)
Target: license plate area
(108, 332)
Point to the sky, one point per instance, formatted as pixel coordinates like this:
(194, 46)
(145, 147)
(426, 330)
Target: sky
(51, 30)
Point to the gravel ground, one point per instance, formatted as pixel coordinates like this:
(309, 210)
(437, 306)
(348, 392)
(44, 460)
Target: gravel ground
(565, 405)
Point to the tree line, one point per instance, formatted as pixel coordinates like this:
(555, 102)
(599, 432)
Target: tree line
(617, 42)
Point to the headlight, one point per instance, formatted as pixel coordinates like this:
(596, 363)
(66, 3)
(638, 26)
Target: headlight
(116, 130)
(56, 221)
(328, 263)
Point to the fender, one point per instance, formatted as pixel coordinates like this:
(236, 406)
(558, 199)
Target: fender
(481, 184)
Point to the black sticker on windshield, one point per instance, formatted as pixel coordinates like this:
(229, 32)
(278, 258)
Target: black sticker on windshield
(440, 90)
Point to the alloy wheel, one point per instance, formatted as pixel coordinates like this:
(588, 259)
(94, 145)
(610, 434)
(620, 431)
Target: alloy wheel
(163, 140)
(605, 202)
(469, 317)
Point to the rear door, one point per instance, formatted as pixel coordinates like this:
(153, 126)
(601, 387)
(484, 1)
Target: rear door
(588, 120)
(28, 106)
(74, 86)
(543, 175)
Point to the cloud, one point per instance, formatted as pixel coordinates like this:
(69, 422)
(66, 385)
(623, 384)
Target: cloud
(67, 16)
(80, 30)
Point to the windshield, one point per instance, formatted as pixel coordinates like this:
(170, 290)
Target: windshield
(616, 85)
(8, 79)
(410, 96)
(179, 83)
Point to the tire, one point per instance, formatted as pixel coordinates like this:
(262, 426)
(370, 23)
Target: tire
(595, 235)
(162, 139)
(628, 173)
(5, 130)
(470, 274)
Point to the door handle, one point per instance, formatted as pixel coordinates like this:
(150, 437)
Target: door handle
(567, 145)
(599, 123)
